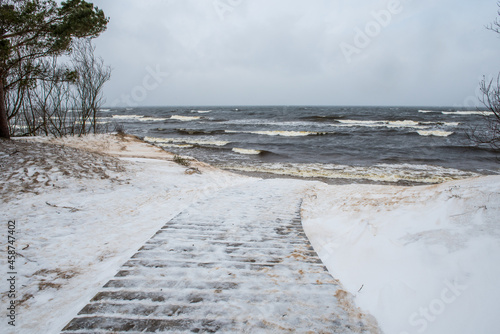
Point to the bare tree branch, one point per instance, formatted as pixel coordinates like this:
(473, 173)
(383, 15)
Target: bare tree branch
(490, 90)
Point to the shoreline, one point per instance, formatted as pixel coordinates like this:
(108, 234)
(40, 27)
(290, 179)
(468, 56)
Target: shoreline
(399, 174)
(350, 226)
(333, 181)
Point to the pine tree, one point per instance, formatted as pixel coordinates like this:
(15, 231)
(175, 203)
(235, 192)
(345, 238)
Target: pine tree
(35, 29)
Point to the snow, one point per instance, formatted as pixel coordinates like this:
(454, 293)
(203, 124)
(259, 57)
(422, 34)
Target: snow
(420, 259)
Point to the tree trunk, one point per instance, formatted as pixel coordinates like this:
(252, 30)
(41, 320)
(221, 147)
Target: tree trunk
(4, 123)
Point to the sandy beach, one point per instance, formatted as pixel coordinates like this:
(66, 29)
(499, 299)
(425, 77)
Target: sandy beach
(418, 259)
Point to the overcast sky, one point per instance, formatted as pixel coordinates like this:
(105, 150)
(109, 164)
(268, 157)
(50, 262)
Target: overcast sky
(298, 52)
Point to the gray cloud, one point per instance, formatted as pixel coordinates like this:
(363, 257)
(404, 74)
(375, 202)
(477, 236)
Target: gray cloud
(289, 51)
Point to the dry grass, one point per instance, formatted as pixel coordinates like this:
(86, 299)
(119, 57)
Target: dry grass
(181, 161)
(31, 167)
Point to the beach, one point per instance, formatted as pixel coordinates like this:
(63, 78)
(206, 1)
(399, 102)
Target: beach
(419, 259)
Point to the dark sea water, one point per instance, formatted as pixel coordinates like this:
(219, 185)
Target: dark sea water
(403, 145)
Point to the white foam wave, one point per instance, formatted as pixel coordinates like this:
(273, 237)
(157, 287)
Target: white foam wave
(387, 124)
(202, 111)
(458, 112)
(203, 142)
(361, 123)
(436, 133)
(127, 117)
(104, 110)
(246, 151)
(403, 124)
(177, 145)
(185, 118)
(378, 173)
(152, 119)
(139, 118)
(471, 112)
(395, 124)
(279, 133)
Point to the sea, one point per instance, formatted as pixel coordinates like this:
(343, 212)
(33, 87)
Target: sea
(334, 144)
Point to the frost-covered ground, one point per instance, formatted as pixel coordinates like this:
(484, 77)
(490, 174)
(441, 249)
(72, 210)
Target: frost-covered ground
(421, 259)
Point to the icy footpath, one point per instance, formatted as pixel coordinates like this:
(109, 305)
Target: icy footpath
(236, 262)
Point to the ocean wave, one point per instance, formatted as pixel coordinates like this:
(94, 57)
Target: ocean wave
(378, 173)
(322, 119)
(257, 121)
(361, 123)
(395, 124)
(192, 132)
(450, 124)
(185, 118)
(436, 133)
(152, 119)
(176, 145)
(281, 133)
(458, 112)
(404, 124)
(471, 112)
(202, 111)
(246, 151)
(247, 122)
(138, 118)
(386, 124)
(128, 117)
(202, 142)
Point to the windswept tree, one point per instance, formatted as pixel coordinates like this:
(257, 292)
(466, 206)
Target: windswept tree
(91, 75)
(491, 100)
(490, 89)
(32, 30)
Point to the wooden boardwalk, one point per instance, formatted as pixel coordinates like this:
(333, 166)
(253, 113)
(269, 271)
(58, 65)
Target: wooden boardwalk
(236, 262)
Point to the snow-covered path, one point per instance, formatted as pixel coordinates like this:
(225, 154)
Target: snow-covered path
(238, 261)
